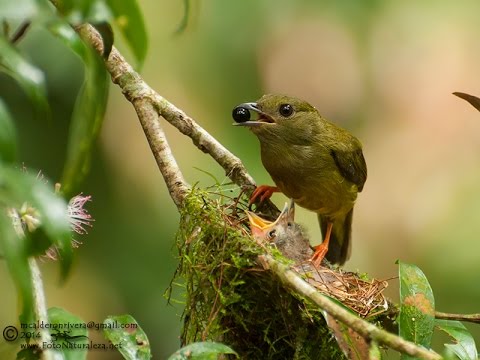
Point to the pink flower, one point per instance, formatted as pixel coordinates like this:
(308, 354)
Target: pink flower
(78, 215)
(79, 218)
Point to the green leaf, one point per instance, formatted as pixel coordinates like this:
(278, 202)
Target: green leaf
(28, 76)
(18, 187)
(8, 135)
(125, 333)
(88, 113)
(129, 20)
(202, 351)
(464, 346)
(69, 37)
(417, 309)
(15, 254)
(473, 100)
(186, 14)
(72, 339)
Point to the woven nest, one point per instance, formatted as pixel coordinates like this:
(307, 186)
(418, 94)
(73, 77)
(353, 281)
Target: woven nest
(230, 298)
(365, 297)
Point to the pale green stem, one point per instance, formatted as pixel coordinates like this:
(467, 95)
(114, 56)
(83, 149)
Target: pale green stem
(39, 300)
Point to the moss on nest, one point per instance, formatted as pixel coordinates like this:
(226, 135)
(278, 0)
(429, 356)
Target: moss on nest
(229, 298)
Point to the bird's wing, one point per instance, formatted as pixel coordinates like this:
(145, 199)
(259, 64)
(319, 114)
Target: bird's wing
(351, 165)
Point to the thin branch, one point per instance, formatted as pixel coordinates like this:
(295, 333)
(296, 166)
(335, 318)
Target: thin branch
(39, 300)
(134, 87)
(41, 309)
(141, 95)
(166, 162)
(364, 328)
(473, 318)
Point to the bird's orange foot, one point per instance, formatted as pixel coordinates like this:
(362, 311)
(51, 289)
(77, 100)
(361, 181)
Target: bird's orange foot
(320, 252)
(322, 249)
(264, 192)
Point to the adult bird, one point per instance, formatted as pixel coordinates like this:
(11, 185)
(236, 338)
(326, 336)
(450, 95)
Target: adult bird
(316, 163)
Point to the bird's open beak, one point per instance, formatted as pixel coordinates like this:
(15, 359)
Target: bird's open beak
(286, 215)
(258, 226)
(262, 117)
(257, 222)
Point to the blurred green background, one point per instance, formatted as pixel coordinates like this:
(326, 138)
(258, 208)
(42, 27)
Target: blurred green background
(385, 70)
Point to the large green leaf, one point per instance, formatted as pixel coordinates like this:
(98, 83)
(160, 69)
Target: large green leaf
(72, 339)
(18, 187)
(28, 76)
(464, 346)
(124, 332)
(14, 251)
(8, 135)
(129, 20)
(69, 37)
(89, 111)
(417, 310)
(202, 351)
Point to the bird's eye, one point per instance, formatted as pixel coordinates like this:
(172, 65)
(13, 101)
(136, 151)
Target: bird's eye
(240, 114)
(285, 110)
(289, 224)
(272, 234)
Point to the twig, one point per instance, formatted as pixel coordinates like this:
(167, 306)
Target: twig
(166, 162)
(364, 328)
(39, 300)
(473, 318)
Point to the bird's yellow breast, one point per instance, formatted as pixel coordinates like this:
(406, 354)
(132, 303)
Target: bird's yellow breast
(311, 178)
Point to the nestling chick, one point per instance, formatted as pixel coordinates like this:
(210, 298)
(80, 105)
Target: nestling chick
(289, 237)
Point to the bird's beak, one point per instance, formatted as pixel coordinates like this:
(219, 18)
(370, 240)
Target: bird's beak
(287, 215)
(262, 117)
(258, 225)
(257, 222)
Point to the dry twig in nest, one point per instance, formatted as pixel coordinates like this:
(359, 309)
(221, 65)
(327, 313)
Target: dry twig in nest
(365, 297)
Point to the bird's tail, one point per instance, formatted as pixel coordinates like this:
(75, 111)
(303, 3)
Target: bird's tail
(340, 244)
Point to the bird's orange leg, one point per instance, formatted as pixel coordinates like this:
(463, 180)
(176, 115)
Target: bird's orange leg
(321, 250)
(264, 192)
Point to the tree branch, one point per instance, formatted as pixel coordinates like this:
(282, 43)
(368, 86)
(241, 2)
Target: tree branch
(473, 318)
(364, 328)
(166, 162)
(134, 88)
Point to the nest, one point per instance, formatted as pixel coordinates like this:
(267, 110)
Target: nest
(365, 297)
(230, 298)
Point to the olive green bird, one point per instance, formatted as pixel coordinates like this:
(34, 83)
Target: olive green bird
(316, 163)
